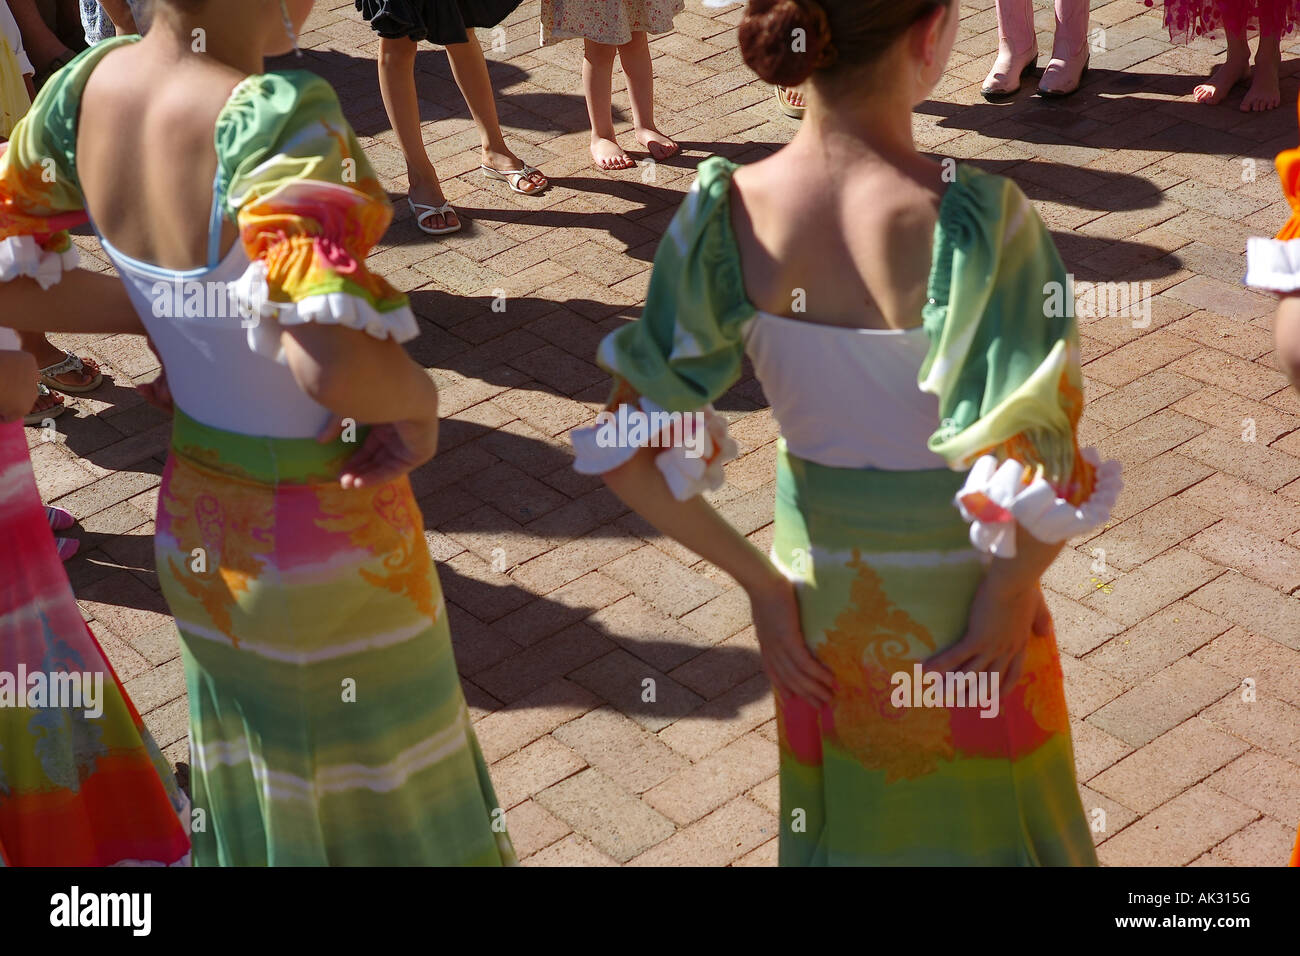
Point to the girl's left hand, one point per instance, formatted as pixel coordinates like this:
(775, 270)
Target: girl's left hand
(997, 632)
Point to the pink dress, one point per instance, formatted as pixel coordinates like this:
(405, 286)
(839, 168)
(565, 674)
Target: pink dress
(1189, 19)
(606, 21)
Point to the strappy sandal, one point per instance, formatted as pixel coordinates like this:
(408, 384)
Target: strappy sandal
(70, 363)
(37, 416)
(424, 211)
(788, 108)
(513, 177)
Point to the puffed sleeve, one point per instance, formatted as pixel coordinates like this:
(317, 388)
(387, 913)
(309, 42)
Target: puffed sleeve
(684, 352)
(1273, 265)
(40, 197)
(1004, 363)
(309, 210)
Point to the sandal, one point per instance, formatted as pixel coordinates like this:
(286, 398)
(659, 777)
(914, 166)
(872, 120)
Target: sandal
(49, 376)
(788, 108)
(512, 178)
(66, 548)
(424, 211)
(38, 415)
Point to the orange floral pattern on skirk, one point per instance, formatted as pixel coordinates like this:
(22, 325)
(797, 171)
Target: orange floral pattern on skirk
(234, 531)
(384, 520)
(873, 639)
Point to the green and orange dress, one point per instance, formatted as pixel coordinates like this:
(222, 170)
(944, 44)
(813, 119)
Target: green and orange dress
(906, 459)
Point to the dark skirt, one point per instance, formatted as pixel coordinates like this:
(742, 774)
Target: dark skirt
(438, 21)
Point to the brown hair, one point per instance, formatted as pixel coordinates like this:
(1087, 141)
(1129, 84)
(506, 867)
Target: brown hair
(836, 34)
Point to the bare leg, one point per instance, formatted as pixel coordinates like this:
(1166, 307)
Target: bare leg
(401, 102)
(41, 43)
(1264, 93)
(597, 85)
(469, 68)
(47, 353)
(635, 57)
(1234, 70)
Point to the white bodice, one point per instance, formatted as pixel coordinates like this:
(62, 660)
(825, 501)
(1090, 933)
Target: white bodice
(214, 376)
(845, 397)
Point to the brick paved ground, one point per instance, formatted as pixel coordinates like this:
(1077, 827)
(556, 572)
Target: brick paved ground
(562, 602)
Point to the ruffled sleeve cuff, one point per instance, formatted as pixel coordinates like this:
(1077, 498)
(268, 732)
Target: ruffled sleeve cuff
(995, 500)
(23, 256)
(696, 445)
(1273, 264)
(265, 319)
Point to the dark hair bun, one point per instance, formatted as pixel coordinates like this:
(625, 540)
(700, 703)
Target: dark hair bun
(774, 50)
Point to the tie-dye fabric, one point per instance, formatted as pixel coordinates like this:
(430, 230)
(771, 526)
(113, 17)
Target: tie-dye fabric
(327, 722)
(76, 788)
(882, 561)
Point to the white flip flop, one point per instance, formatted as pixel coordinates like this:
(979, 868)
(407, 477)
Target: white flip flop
(424, 211)
(512, 178)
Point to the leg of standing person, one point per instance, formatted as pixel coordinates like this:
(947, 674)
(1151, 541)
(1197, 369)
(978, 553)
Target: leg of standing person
(1265, 92)
(401, 101)
(1017, 49)
(639, 70)
(1070, 51)
(1234, 69)
(469, 67)
(597, 86)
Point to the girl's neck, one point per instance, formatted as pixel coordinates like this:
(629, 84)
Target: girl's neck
(177, 36)
(853, 128)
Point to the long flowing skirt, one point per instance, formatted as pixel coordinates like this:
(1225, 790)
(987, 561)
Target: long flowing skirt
(81, 781)
(885, 576)
(327, 722)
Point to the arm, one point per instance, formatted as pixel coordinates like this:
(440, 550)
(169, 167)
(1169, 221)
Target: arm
(82, 301)
(120, 13)
(1007, 609)
(697, 525)
(1286, 336)
(17, 384)
(371, 381)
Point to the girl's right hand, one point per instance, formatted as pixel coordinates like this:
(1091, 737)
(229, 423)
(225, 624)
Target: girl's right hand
(790, 666)
(18, 378)
(389, 451)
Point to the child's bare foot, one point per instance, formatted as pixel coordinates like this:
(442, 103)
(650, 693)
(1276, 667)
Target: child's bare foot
(659, 145)
(609, 155)
(1220, 84)
(504, 162)
(1264, 92)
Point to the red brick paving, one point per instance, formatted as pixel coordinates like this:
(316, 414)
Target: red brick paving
(562, 603)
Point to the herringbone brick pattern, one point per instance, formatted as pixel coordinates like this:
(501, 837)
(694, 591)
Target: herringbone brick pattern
(563, 603)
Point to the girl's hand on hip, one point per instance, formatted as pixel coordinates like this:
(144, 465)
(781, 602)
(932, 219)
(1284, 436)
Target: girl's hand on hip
(791, 667)
(997, 633)
(389, 451)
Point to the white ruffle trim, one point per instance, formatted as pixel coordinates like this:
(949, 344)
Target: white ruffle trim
(1273, 264)
(23, 256)
(692, 465)
(252, 301)
(995, 500)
